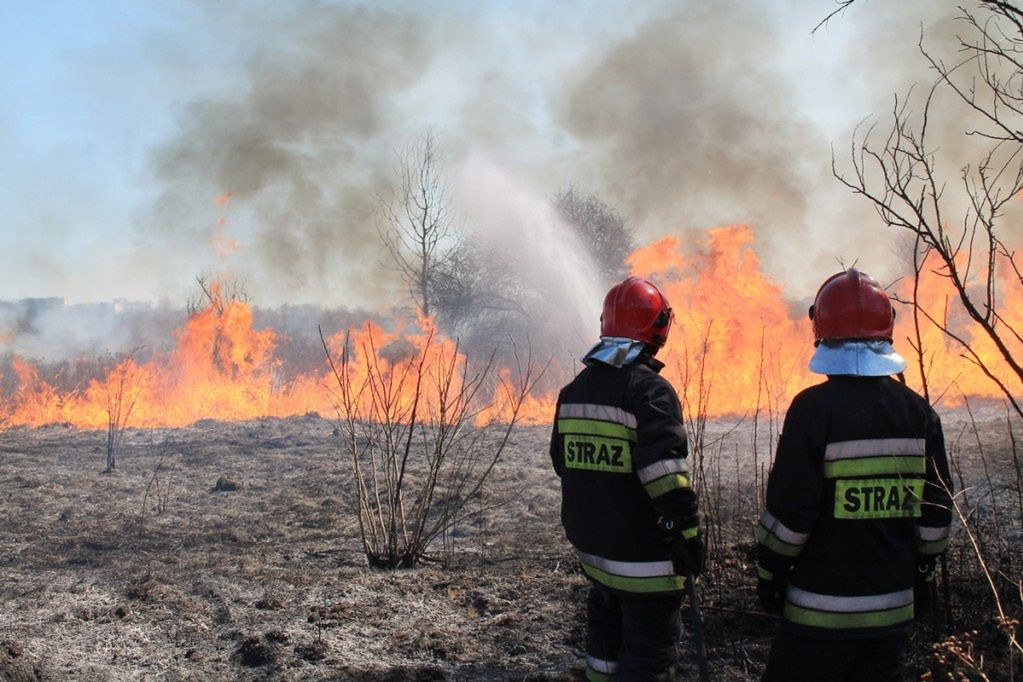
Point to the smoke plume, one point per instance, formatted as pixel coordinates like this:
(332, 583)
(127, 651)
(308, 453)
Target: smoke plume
(683, 116)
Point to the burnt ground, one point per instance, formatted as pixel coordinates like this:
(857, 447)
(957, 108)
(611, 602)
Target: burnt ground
(174, 576)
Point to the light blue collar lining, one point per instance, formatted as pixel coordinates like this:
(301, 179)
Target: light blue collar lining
(865, 358)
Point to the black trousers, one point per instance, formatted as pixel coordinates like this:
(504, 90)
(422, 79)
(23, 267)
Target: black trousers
(798, 658)
(632, 636)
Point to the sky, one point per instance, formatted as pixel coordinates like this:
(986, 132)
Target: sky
(121, 123)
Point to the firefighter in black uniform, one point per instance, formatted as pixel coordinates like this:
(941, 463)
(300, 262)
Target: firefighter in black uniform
(858, 502)
(628, 509)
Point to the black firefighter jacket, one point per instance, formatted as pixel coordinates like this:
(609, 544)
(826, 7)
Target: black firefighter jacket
(859, 496)
(619, 446)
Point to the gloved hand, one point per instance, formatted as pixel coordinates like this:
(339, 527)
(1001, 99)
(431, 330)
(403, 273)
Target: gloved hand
(923, 589)
(771, 593)
(688, 555)
(679, 523)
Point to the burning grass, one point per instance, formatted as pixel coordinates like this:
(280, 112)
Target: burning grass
(735, 328)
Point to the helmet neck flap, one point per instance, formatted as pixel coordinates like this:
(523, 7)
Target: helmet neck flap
(863, 358)
(614, 351)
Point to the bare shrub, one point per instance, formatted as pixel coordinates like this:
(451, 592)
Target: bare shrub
(159, 489)
(123, 386)
(417, 439)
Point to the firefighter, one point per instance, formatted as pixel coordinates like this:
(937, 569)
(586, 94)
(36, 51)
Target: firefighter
(858, 502)
(628, 509)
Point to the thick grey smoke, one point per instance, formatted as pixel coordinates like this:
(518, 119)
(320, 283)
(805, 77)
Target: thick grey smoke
(301, 143)
(687, 134)
(697, 119)
(682, 115)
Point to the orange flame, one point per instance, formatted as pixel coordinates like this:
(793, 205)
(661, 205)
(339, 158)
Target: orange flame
(733, 329)
(737, 346)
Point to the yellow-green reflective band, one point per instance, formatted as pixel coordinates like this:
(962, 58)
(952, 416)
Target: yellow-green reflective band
(841, 621)
(775, 544)
(661, 583)
(594, 676)
(592, 427)
(936, 547)
(875, 466)
(878, 498)
(763, 573)
(690, 533)
(598, 454)
(665, 483)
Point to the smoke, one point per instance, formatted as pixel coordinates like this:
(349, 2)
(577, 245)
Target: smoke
(708, 116)
(302, 144)
(48, 328)
(682, 115)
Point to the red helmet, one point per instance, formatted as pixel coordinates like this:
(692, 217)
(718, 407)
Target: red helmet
(852, 305)
(636, 309)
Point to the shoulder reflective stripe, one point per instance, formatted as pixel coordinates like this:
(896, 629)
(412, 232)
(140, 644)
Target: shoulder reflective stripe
(605, 413)
(666, 483)
(629, 569)
(594, 676)
(783, 532)
(871, 447)
(591, 427)
(662, 468)
(828, 602)
(838, 621)
(876, 466)
(600, 665)
(664, 583)
(932, 533)
(763, 573)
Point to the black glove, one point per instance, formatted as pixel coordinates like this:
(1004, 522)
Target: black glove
(771, 593)
(688, 555)
(679, 523)
(924, 589)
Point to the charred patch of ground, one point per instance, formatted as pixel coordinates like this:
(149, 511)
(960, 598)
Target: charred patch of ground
(99, 581)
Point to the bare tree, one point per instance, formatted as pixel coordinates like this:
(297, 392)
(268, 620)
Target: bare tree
(962, 228)
(215, 293)
(601, 228)
(417, 228)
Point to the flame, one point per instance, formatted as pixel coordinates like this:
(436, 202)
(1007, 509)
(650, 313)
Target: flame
(735, 345)
(222, 367)
(953, 371)
(738, 346)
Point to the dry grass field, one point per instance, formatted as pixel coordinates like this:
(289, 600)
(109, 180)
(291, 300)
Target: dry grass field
(156, 571)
